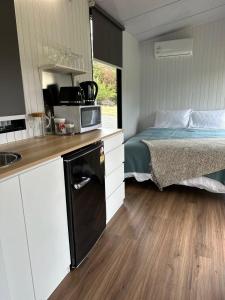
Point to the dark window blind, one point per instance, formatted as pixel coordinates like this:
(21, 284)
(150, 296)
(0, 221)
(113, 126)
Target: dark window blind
(11, 85)
(107, 38)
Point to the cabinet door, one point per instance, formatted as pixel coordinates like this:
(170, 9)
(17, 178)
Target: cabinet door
(15, 272)
(114, 159)
(114, 180)
(44, 200)
(114, 202)
(4, 289)
(113, 142)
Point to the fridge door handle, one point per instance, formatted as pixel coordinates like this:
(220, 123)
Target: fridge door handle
(81, 184)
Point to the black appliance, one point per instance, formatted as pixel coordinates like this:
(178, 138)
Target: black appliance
(85, 194)
(51, 95)
(70, 95)
(90, 90)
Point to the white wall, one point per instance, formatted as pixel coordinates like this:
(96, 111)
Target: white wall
(197, 82)
(42, 23)
(130, 84)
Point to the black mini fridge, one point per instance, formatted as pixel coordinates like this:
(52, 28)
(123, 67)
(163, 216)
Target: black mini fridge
(85, 193)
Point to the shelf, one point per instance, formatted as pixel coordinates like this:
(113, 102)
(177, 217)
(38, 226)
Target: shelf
(55, 68)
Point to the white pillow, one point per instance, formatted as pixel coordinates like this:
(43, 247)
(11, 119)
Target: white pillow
(172, 119)
(212, 119)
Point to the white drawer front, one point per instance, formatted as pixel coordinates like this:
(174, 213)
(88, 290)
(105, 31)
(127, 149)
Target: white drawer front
(114, 202)
(114, 180)
(114, 159)
(113, 142)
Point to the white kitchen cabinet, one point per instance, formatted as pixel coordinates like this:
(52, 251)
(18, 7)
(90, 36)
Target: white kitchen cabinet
(43, 193)
(4, 288)
(113, 142)
(115, 201)
(114, 180)
(114, 174)
(114, 159)
(15, 272)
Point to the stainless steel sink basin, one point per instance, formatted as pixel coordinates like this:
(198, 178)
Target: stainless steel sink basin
(8, 158)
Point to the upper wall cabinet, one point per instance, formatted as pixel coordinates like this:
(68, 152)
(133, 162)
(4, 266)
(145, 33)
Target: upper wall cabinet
(11, 88)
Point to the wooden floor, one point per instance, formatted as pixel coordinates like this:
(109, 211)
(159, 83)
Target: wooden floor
(160, 245)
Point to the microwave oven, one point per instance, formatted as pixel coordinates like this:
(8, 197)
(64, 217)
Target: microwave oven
(84, 118)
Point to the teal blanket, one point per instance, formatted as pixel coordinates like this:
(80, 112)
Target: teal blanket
(137, 157)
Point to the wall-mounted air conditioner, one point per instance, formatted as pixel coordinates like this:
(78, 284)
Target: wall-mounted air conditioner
(183, 47)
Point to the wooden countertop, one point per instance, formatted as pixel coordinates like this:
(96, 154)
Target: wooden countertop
(38, 150)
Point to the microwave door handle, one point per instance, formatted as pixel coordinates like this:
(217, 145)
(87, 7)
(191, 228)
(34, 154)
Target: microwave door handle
(82, 183)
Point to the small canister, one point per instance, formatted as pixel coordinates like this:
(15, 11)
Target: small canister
(60, 128)
(41, 123)
(70, 129)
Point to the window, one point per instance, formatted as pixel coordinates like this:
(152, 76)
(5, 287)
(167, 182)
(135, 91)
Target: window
(106, 78)
(106, 36)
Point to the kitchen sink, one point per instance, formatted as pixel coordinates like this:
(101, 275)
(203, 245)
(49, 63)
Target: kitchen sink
(8, 158)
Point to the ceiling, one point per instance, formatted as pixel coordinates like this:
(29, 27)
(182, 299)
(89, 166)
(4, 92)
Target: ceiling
(150, 18)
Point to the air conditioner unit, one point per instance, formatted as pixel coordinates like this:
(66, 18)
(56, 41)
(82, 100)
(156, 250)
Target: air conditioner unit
(183, 47)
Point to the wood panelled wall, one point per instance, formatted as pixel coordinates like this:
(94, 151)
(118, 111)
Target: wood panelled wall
(130, 84)
(46, 23)
(196, 82)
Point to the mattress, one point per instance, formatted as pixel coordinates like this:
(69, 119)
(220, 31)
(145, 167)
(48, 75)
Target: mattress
(137, 156)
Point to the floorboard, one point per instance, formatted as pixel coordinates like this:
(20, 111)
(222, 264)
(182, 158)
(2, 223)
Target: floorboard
(160, 245)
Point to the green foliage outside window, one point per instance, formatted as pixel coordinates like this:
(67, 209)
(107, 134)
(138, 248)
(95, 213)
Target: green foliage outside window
(105, 77)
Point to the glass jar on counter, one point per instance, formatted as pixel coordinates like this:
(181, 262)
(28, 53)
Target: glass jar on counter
(70, 129)
(60, 128)
(40, 123)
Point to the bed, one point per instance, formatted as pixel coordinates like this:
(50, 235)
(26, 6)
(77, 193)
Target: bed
(138, 162)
